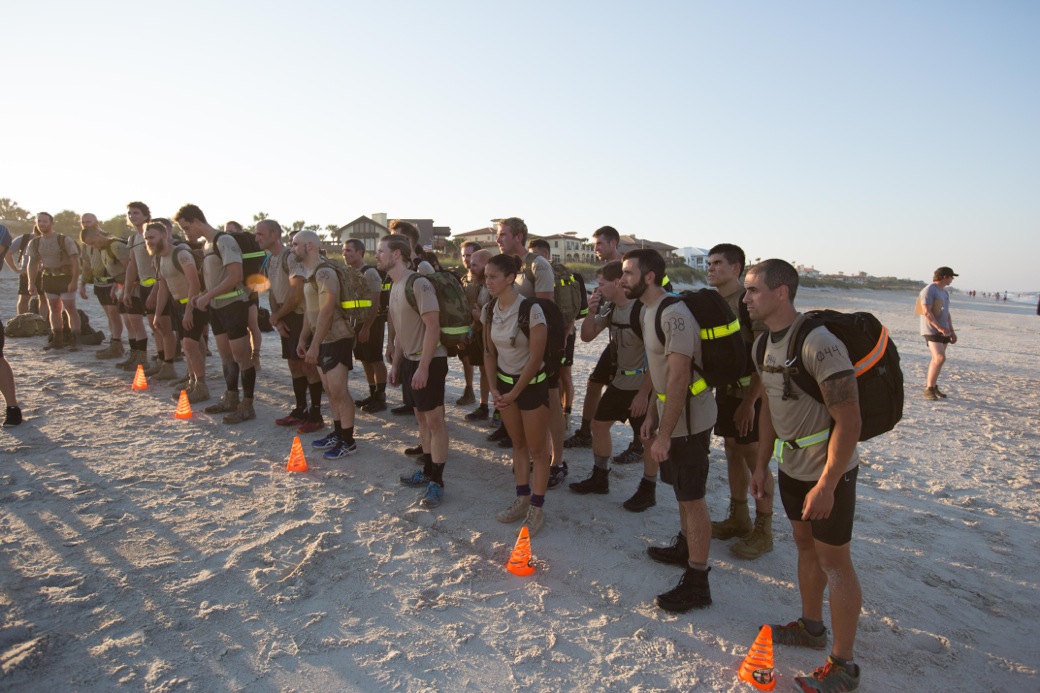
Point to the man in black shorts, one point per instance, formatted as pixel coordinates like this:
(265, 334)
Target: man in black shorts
(815, 449)
(369, 347)
(13, 415)
(106, 258)
(140, 280)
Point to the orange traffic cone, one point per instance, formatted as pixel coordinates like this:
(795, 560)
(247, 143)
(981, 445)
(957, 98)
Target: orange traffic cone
(757, 668)
(139, 382)
(520, 561)
(183, 407)
(297, 462)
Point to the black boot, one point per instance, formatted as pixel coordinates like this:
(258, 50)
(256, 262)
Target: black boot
(500, 434)
(692, 592)
(376, 403)
(644, 497)
(676, 554)
(597, 483)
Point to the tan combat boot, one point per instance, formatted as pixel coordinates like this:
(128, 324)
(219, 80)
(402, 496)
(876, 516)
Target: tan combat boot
(165, 372)
(244, 412)
(227, 402)
(113, 351)
(198, 392)
(736, 524)
(131, 357)
(760, 540)
(57, 342)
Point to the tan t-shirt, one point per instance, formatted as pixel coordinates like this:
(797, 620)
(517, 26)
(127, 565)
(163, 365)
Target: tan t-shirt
(50, 254)
(408, 325)
(544, 279)
(625, 344)
(681, 336)
(324, 287)
(145, 270)
(823, 355)
(214, 267)
(510, 342)
(107, 267)
(280, 269)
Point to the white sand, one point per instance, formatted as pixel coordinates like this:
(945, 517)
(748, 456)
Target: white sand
(141, 551)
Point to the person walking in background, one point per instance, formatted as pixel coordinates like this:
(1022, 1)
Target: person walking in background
(933, 305)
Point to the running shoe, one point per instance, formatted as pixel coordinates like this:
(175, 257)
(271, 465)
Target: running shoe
(327, 443)
(415, 479)
(478, 414)
(342, 449)
(795, 634)
(557, 473)
(830, 678)
(311, 426)
(295, 418)
(432, 496)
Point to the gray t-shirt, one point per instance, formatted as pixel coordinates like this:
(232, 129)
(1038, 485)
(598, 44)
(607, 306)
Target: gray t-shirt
(510, 343)
(624, 343)
(928, 296)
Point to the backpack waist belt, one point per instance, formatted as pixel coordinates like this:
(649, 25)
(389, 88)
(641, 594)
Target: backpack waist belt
(512, 381)
(721, 331)
(54, 274)
(183, 301)
(637, 372)
(696, 387)
(231, 294)
(386, 287)
(360, 303)
(465, 329)
(799, 443)
(249, 256)
(147, 282)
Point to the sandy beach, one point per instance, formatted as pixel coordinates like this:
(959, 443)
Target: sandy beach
(142, 552)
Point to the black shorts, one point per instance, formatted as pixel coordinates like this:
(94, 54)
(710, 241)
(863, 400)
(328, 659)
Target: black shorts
(724, 425)
(836, 530)
(23, 283)
(686, 469)
(552, 378)
(332, 354)
(431, 396)
(371, 351)
(474, 350)
(568, 354)
(254, 299)
(55, 284)
(941, 338)
(602, 373)
(137, 296)
(232, 319)
(294, 321)
(614, 404)
(531, 397)
(200, 318)
(104, 295)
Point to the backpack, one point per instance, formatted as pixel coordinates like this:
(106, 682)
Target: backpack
(263, 319)
(196, 255)
(63, 247)
(252, 257)
(87, 335)
(584, 295)
(455, 317)
(634, 323)
(27, 325)
(353, 291)
(723, 349)
(875, 360)
(566, 291)
(384, 288)
(555, 351)
(23, 247)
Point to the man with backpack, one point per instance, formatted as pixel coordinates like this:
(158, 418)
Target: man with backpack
(739, 408)
(678, 427)
(54, 275)
(369, 346)
(17, 258)
(137, 296)
(106, 258)
(815, 448)
(227, 300)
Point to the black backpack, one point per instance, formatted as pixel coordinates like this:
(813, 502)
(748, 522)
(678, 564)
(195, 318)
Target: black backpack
(875, 361)
(723, 350)
(555, 340)
(635, 324)
(252, 256)
(584, 311)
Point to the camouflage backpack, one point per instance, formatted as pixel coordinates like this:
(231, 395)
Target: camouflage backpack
(26, 325)
(566, 290)
(455, 317)
(353, 291)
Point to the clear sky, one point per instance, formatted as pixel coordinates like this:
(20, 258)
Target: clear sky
(887, 137)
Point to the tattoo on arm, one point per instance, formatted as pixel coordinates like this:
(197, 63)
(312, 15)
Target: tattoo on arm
(840, 390)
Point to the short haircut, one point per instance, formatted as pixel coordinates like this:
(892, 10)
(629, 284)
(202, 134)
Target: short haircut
(405, 228)
(778, 273)
(272, 225)
(734, 255)
(165, 222)
(610, 271)
(649, 260)
(86, 233)
(472, 244)
(609, 233)
(157, 225)
(235, 226)
(189, 213)
(140, 207)
(46, 214)
(516, 226)
(539, 243)
(401, 244)
(358, 246)
(507, 264)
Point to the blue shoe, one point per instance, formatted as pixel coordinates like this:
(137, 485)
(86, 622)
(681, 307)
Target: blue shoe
(329, 441)
(416, 479)
(342, 449)
(432, 496)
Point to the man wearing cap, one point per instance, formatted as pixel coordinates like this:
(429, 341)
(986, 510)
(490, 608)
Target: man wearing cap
(933, 305)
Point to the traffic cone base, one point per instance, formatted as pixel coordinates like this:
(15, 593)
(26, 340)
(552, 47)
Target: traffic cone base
(520, 561)
(297, 460)
(139, 382)
(183, 407)
(757, 668)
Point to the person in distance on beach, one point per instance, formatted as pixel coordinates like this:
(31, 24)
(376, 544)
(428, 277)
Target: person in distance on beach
(933, 305)
(419, 264)
(53, 275)
(16, 255)
(471, 288)
(477, 295)
(815, 451)
(369, 347)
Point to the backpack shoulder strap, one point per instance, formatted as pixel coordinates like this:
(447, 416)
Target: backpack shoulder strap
(665, 302)
(635, 319)
(23, 246)
(523, 316)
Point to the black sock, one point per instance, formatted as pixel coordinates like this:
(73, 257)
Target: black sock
(426, 458)
(316, 391)
(437, 473)
(586, 426)
(381, 387)
(248, 382)
(299, 387)
(371, 388)
(347, 435)
(338, 429)
(231, 376)
(169, 361)
(636, 425)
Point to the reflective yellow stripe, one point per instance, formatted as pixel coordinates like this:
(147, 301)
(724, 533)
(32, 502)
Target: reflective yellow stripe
(696, 387)
(641, 370)
(666, 280)
(259, 253)
(565, 282)
(744, 382)
(583, 312)
(386, 287)
(361, 303)
(147, 282)
(510, 381)
(721, 331)
(798, 444)
(455, 330)
(183, 301)
(233, 294)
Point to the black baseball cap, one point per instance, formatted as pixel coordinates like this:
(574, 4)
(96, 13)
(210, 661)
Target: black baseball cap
(945, 272)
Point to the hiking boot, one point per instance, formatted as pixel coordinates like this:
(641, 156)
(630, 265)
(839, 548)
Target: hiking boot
(432, 496)
(939, 393)
(597, 483)
(342, 449)
(113, 351)
(467, 398)
(58, 342)
(496, 419)
(72, 343)
(137, 358)
(227, 402)
(244, 412)
(414, 451)
(830, 678)
(401, 410)
(415, 479)
(930, 393)
(692, 592)
(580, 439)
(166, 372)
(500, 433)
(535, 520)
(152, 369)
(311, 425)
(181, 383)
(296, 417)
(644, 497)
(795, 634)
(376, 404)
(506, 443)
(363, 402)
(676, 554)
(14, 416)
(199, 392)
(736, 524)
(256, 361)
(515, 511)
(478, 414)
(176, 394)
(131, 357)
(631, 455)
(327, 443)
(557, 473)
(760, 540)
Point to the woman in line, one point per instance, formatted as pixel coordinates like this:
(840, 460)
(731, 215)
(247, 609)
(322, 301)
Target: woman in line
(514, 354)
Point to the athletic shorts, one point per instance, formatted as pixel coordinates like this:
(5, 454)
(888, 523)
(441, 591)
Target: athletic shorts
(941, 338)
(686, 469)
(531, 397)
(568, 354)
(614, 404)
(602, 373)
(294, 321)
(332, 354)
(724, 425)
(232, 319)
(104, 295)
(836, 530)
(371, 351)
(200, 318)
(136, 306)
(474, 350)
(431, 396)
(23, 283)
(552, 378)
(56, 284)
